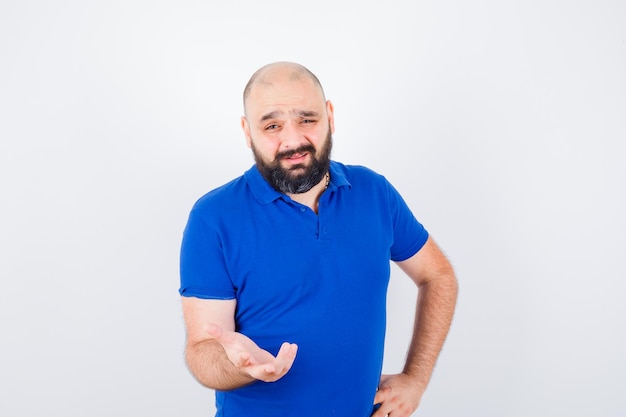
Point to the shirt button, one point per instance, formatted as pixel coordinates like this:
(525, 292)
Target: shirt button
(302, 209)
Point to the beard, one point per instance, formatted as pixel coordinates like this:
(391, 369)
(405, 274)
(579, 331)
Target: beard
(299, 178)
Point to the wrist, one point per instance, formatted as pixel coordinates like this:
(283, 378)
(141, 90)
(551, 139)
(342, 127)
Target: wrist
(417, 380)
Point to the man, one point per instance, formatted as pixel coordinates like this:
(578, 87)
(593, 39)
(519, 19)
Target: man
(284, 271)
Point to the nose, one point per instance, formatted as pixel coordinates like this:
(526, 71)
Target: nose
(291, 137)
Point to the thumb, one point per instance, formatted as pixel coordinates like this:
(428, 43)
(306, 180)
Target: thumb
(381, 393)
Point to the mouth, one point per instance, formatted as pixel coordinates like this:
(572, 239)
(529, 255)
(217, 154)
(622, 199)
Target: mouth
(296, 158)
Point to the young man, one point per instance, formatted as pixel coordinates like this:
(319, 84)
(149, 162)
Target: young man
(284, 271)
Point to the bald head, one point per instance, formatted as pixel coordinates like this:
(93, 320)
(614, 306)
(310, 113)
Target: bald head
(276, 72)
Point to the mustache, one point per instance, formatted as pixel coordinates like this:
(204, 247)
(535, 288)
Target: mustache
(288, 154)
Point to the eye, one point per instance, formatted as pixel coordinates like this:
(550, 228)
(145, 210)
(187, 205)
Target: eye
(305, 121)
(271, 127)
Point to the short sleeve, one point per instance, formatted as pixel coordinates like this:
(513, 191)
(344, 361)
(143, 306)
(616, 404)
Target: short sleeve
(203, 272)
(409, 235)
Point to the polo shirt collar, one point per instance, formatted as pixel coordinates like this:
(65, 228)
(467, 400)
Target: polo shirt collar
(260, 188)
(337, 176)
(266, 194)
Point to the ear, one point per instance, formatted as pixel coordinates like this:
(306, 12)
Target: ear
(330, 110)
(245, 126)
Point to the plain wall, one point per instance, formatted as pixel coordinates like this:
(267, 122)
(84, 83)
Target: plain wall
(501, 122)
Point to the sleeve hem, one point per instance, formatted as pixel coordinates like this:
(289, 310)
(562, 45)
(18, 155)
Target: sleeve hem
(419, 243)
(206, 294)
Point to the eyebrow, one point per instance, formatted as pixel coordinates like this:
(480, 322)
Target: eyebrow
(307, 113)
(301, 113)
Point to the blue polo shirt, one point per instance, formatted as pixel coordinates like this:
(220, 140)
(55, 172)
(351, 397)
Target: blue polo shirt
(317, 280)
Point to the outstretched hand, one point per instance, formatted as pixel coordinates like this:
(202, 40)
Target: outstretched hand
(250, 359)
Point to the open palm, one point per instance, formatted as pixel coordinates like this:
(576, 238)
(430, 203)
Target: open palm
(250, 358)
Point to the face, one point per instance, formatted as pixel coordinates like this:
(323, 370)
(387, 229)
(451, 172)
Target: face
(289, 128)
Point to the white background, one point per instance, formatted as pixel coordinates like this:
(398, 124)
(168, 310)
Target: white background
(502, 123)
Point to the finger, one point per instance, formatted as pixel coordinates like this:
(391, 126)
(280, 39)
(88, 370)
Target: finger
(263, 372)
(285, 357)
(244, 360)
(287, 351)
(380, 410)
(281, 360)
(270, 372)
(385, 407)
(382, 395)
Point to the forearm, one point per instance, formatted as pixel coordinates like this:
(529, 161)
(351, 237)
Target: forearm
(209, 364)
(435, 308)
